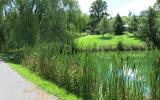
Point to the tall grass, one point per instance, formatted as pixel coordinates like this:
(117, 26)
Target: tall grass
(92, 77)
(155, 80)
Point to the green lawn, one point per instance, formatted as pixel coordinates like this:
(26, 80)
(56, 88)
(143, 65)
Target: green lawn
(42, 83)
(112, 40)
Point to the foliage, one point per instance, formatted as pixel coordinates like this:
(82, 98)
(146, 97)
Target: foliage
(30, 22)
(125, 19)
(158, 1)
(154, 84)
(111, 25)
(82, 22)
(98, 10)
(103, 26)
(118, 25)
(76, 20)
(133, 26)
(129, 14)
(152, 25)
(85, 76)
(149, 27)
(120, 46)
(142, 27)
(2, 4)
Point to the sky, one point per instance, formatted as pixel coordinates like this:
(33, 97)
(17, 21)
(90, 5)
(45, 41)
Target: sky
(119, 6)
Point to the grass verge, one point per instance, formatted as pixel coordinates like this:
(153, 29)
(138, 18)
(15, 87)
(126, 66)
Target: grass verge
(42, 83)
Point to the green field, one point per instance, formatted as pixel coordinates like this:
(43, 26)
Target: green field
(109, 40)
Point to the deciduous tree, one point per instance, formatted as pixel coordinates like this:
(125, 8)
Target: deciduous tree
(133, 26)
(97, 11)
(103, 26)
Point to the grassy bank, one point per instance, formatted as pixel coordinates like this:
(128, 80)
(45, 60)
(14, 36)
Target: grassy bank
(42, 83)
(110, 41)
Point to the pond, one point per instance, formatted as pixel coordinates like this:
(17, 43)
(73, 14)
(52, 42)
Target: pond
(103, 75)
(132, 75)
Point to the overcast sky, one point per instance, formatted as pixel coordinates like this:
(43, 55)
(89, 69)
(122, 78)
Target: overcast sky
(119, 6)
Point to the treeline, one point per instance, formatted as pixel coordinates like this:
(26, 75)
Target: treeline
(149, 28)
(145, 26)
(26, 23)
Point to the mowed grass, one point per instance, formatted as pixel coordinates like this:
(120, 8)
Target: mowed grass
(90, 41)
(42, 83)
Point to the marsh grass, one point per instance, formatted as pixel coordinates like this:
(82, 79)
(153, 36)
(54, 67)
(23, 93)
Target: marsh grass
(94, 77)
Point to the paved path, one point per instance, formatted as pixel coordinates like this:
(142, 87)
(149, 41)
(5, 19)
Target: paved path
(15, 87)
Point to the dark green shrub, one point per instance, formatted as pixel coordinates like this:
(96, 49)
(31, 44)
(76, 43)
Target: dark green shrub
(120, 46)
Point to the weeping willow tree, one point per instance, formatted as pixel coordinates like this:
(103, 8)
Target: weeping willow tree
(2, 4)
(76, 20)
(53, 23)
(29, 22)
(21, 25)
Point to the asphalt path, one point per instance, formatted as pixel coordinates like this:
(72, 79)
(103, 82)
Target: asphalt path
(15, 87)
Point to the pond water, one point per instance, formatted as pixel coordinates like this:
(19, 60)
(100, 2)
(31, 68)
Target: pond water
(143, 61)
(136, 67)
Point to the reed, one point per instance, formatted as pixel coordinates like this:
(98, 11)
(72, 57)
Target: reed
(92, 77)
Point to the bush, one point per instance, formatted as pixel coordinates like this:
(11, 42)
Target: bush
(120, 46)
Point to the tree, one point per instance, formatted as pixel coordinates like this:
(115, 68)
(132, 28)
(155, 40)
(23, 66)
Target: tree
(129, 14)
(133, 26)
(118, 25)
(150, 27)
(2, 4)
(77, 21)
(97, 11)
(26, 22)
(29, 22)
(158, 1)
(129, 18)
(152, 23)
(103, 26)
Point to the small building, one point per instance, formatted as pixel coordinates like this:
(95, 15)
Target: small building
(126, 27)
